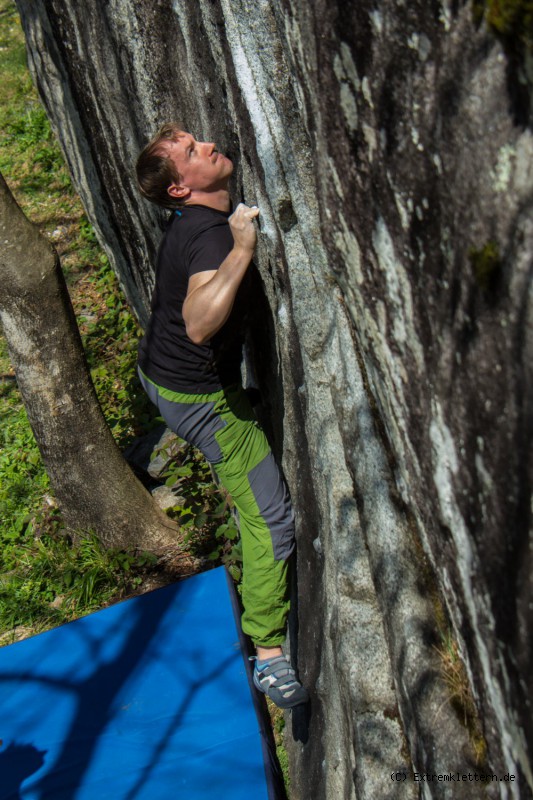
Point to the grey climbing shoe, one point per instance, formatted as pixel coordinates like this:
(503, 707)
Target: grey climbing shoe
(277, 679)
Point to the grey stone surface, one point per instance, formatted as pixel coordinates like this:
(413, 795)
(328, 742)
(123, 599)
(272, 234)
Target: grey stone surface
(167, 448)
(138, 454)
(166, 498)
(383, 148)
(153, 453)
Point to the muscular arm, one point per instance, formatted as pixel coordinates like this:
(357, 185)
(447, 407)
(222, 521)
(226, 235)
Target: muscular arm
(211, 294)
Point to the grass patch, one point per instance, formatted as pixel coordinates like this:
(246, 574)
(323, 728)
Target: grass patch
(278, 726)
(44, 579)
(23, 480)
(455, 677)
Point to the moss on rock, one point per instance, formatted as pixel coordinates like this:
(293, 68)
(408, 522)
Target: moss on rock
(510, 20)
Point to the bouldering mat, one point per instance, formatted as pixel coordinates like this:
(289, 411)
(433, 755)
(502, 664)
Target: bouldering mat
(148, 699)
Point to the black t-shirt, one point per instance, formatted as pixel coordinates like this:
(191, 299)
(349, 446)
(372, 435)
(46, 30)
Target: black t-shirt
(197, 239)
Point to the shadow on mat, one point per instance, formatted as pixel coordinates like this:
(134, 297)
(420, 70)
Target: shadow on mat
(18, 762)
(96, 695)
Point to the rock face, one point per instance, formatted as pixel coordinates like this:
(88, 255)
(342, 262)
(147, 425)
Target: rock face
(393, 170)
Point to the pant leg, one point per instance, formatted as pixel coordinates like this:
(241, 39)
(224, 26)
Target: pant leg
(223, 426)
(250, 474)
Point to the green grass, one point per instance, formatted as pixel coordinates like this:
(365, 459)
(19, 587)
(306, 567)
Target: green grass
(455, 677)
(47, 582)
(23, 480)
(30, 158)
(278, 726)
(44, 579)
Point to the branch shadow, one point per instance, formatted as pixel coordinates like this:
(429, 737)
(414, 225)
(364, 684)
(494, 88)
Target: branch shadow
(17, 763)
(96, 696)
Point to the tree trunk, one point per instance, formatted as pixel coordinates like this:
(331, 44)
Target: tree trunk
(95, 488)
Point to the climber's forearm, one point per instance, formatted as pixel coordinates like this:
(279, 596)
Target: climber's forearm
(209, 301)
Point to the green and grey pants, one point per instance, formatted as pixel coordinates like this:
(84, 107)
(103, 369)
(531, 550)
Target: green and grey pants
(223, 427)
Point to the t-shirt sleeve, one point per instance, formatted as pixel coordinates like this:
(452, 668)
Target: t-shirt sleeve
(208, 249)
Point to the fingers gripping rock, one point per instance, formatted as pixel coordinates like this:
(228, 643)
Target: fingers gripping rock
(244, 234)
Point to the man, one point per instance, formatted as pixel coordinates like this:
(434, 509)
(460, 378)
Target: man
(189, 363)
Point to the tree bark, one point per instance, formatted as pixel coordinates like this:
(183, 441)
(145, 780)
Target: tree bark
(95, 488)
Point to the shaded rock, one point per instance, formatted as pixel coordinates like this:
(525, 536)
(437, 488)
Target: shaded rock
(166, 497)
(166, 449)
(152, 453)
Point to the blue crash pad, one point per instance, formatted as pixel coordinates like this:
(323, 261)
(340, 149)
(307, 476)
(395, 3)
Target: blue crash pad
(146, 700)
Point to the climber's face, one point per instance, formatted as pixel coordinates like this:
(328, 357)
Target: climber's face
(200, 166)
